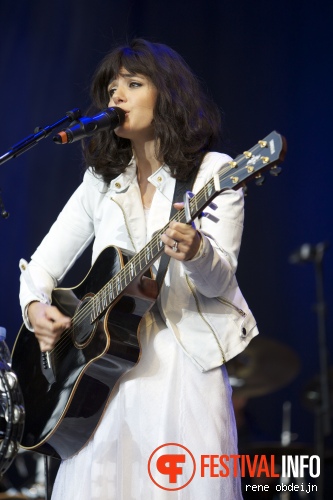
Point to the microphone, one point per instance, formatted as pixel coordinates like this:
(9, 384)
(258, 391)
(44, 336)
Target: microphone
(109, 118)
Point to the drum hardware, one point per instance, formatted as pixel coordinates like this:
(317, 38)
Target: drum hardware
(11, 416)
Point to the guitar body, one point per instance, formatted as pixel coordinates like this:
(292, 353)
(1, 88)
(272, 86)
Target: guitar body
(66, 391)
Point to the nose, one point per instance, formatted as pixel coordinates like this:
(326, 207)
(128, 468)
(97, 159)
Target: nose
(118, 96)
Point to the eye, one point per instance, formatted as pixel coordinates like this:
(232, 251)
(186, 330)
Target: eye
(135, 84)
(111, 91)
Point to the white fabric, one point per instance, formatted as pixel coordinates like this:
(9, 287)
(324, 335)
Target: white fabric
(200, 299)
(164, 399)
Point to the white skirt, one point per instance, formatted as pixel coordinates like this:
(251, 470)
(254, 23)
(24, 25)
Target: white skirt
(163, 399)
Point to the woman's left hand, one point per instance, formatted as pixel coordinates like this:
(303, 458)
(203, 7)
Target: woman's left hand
(182, 241)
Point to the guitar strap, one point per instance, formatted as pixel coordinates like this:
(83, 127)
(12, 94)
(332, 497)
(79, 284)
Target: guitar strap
(180, 189)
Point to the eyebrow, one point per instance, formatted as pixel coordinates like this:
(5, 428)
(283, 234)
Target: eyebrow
(127, 75)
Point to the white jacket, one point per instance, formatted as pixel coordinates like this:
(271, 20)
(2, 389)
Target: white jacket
(200, 300)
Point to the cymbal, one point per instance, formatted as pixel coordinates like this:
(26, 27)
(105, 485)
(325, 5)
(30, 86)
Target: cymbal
(263, 367)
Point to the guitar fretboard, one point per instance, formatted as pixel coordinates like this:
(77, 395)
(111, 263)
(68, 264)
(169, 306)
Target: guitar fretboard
(144, 259)
(244, 167)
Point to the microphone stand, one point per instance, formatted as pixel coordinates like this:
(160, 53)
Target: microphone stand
(323, 422)
(16, 150)
(40, 133)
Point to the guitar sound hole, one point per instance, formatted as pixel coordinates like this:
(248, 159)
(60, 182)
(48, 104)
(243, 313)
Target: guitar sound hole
(83, 330)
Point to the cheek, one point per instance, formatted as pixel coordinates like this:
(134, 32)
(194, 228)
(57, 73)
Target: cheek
(151, 98)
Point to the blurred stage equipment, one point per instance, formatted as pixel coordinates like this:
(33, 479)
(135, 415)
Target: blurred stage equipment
(11, 408)
(38, 135)
(263, 367)
(3, 212)
(315, 254)
(311, 396)
(79, 128)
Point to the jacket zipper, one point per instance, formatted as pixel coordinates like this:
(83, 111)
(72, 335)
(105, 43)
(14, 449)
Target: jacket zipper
(189, 284)
(230, 304)
(238, 310)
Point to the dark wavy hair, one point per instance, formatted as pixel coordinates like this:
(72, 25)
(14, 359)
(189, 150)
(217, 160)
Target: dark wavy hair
(186, 122)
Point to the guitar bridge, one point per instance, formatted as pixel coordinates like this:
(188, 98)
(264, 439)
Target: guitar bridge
(47, 368)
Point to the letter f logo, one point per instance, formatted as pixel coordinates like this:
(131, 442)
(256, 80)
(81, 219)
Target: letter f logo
(168, 465)
(171, 466)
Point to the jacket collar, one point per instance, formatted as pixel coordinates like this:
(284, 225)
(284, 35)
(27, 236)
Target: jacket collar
(124, 190)
(123, 181)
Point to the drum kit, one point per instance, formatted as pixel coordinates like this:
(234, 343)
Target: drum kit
(265, 366)
(19, 474)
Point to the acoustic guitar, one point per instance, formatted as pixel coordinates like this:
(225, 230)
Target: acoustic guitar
(66, 390)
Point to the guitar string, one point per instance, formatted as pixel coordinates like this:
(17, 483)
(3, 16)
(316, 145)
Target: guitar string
(155, 242)
(103, 294)
(122, 273)
(86, 311)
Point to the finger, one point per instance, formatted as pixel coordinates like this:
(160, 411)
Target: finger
(182, 228)
(173, 232)
(178, 205)
(50, 329)
(46, 345)
(175, 254)
(170, 242)
(52, 313)
(49, 335)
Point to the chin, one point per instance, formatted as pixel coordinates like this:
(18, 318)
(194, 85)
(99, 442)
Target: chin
(120, 132)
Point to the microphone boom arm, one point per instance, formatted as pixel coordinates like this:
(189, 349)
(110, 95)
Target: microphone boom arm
(41, 133)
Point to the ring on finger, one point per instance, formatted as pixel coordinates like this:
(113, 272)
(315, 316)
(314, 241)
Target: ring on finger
(175, 246)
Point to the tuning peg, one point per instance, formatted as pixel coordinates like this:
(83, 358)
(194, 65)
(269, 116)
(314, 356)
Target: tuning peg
(245, 189)
(260, 179)
(275, 171)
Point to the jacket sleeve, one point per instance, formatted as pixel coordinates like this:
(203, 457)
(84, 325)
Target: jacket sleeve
(67, 239)
(211, 272)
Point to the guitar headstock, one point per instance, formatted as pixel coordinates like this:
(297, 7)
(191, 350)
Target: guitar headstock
(265, 155)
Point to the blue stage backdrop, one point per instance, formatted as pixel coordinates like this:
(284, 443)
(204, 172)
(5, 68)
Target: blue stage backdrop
(267, 64)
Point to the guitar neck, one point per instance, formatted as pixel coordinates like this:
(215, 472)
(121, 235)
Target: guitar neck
(265, 154)
(145, 258)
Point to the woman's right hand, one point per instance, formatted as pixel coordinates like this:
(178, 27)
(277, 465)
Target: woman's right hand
(48, 324)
